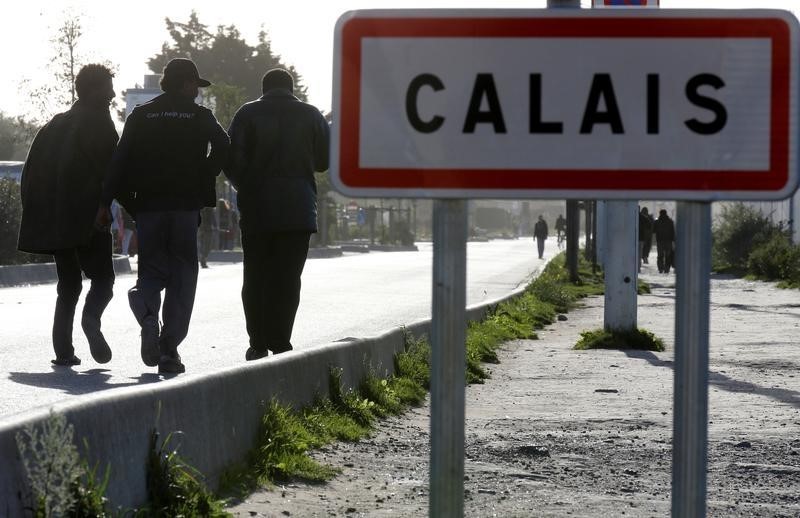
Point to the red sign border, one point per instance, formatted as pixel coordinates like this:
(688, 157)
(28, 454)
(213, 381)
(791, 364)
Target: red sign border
(709, 181)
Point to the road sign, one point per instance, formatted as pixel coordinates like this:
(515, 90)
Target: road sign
(609, 104)
(625, 3)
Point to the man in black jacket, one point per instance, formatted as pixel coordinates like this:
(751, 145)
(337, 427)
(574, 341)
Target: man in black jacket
(163, 158)
(277, 143)
(61, 184)
(664, 230)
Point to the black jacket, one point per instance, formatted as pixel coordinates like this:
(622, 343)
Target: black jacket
(277, 143)
(664, 229)
(62, 179)
(163, 157)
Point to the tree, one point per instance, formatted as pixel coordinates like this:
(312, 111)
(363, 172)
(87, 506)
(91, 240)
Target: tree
(16, 135)
(225, 58)
(58, 94)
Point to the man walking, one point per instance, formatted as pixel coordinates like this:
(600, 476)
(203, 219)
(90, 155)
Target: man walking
(61, 184)
(540, 232)
(664, 230)
(277, 143)
(163, 157)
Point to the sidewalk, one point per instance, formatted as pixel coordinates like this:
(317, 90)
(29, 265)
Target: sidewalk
(558, 432)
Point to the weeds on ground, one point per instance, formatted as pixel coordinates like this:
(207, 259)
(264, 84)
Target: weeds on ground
(52, 464)
(62, 484)
(174, 488)
(638, 339)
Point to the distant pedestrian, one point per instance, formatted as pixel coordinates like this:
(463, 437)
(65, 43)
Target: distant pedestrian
(664, 230)
(163, 156)
(561, 228)
(540, 234)
(225, 224)
(648, 244)
(208, 227)
(61, 183)
(645, 235)
(277, 143)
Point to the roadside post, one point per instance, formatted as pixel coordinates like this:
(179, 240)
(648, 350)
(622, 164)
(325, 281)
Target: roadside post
(687, 105)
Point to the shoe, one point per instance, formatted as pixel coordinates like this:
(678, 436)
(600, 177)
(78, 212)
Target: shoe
(98, 346)
(170, 363)
(150, 350)
(203, 264)
(66, 362)
(255, 354)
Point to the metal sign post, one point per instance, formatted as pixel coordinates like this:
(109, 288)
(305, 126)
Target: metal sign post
(448, 358)
(690, 411)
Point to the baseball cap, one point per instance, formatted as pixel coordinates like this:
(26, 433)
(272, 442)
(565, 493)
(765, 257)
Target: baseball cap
(182, 68)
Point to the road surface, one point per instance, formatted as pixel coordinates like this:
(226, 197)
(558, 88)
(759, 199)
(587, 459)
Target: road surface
(357, 295)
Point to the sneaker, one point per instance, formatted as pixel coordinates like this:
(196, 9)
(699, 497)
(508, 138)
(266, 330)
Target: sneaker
(98, 346)
(66, 362)
(150, 350)
(170, 363)
(255, 354)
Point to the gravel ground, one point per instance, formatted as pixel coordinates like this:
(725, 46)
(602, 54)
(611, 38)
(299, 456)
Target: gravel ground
(557, 432)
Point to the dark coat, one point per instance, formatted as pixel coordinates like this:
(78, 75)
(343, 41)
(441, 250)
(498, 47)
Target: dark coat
(645, 227)
(664, 228)
(163, 157)
(277, 143)
(62, 179)
(540, 229)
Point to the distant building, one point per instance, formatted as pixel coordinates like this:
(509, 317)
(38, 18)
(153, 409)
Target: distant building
(139, 95)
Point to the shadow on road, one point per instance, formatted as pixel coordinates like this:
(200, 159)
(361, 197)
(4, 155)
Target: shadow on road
(790, 397)
(77, 382)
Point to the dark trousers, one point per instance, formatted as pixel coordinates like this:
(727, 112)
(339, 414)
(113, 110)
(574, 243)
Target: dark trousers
(273, 264)
(665, 255)
(93, 260)
(168, 261)
(540, 245)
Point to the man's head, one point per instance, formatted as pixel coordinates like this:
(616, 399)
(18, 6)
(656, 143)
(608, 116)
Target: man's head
(541, 218)
(181, 76)
(663, 212)
(277, 78)
(93, 84)
(644, 211)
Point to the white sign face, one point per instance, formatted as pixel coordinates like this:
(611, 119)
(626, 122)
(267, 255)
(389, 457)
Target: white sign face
(595, 111)
(639, 104)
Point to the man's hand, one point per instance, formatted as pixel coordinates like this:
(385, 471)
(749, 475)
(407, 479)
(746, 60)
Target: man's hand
(102, 222)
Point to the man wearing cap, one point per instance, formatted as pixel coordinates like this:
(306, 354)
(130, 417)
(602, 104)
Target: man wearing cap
(277, 143)
(162, 166)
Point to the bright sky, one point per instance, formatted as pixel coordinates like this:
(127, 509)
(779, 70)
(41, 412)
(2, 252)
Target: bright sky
(128, 33)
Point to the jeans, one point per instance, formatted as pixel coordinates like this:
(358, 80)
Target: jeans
(168, 261)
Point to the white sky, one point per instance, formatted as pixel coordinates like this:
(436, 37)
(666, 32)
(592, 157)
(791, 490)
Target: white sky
(128, 33)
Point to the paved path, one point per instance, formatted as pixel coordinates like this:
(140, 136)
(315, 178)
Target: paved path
(558, 432)
(356, 295)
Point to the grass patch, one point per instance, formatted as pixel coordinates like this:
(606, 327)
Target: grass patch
(174, 488)
(639, 339)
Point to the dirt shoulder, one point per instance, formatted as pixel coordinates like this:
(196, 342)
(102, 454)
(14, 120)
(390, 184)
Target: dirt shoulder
(558, 432)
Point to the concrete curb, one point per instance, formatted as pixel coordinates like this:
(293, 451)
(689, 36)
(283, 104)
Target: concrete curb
(41, 273)
(218, 414)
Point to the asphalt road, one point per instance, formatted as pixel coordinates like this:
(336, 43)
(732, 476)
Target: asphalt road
(357, 295)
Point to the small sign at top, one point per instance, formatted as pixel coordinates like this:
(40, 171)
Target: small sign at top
(625, 3)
